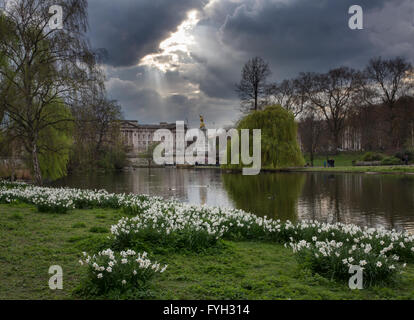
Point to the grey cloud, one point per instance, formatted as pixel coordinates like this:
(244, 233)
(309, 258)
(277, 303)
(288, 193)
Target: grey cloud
(148, 106)
(131, 29)
(302, 35)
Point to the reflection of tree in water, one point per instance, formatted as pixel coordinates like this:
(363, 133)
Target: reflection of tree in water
(367, 200)
(273, 195)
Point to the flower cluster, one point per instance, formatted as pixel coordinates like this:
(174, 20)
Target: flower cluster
(60, 200)
(334, 259)
(171, 224)
(109, 270)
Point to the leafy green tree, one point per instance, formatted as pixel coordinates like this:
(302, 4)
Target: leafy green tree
(55, 143)
(44, 67)
(280, 148)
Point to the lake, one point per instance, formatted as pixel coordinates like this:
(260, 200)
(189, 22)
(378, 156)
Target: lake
(362, 199)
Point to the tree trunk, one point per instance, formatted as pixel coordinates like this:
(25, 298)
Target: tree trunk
(336, 142)
(36, 166)
(311, 157)
(256, 98)
(13, 165)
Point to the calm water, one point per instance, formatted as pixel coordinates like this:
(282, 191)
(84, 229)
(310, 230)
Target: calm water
(363, 199)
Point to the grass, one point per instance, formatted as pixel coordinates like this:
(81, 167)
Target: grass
(343, 159)
(343, 163)
(366, 169)
(31, 242)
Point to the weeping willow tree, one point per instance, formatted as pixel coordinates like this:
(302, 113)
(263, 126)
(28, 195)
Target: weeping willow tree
(55, 143)
(280, 148)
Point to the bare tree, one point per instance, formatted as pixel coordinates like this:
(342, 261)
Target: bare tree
(97, 129)
(252, 87)
(311, 129)
(333, 94)
(289, 94)
(387, 81)
(45, 66)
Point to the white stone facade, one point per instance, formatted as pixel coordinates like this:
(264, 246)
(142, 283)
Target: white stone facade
(140, 136)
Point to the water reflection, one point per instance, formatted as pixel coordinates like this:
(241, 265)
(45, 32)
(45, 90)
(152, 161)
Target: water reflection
(273, 195)
(194, 186)
(363, 199)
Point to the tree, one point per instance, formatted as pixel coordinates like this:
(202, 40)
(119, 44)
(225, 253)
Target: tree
(55, 143)
(280, 147)
(252, 87)
(311, 129)
(289, 94)
(98, 135)
(149, 153)
(333, 94)
(387, 81)
(45, 67)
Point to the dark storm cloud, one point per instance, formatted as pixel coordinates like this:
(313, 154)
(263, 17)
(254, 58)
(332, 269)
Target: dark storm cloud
(131, 29)
(302, 35)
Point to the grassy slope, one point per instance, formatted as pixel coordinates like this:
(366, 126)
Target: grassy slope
(31, 242)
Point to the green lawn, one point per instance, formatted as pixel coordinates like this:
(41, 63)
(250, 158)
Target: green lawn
(343, 163)
(31, 242)
(376, 169)
(343, 159)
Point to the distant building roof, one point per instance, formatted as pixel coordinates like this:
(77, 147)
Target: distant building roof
(161, 125)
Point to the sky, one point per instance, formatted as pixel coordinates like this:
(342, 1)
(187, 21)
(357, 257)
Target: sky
(172, 60)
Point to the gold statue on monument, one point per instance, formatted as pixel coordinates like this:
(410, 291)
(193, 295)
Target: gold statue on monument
(202, 124)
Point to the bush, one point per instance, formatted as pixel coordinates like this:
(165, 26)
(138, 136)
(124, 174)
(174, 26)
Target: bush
(390, 161)
(164, 224)
(334, 259)
(372, 156)
(408, 151)
(111, 273)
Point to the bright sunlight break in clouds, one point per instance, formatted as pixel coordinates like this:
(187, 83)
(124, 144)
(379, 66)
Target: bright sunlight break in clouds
(175, 47)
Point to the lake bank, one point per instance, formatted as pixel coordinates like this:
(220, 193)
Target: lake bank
(401, 169)
(409, 170)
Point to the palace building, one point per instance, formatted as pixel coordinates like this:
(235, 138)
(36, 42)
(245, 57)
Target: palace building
(139, 137)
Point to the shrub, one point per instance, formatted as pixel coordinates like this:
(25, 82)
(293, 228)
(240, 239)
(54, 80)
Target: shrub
(112, 273)
(372, 156)
(334, 259)
(168, 224)
(407, 151)
(390, 161)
